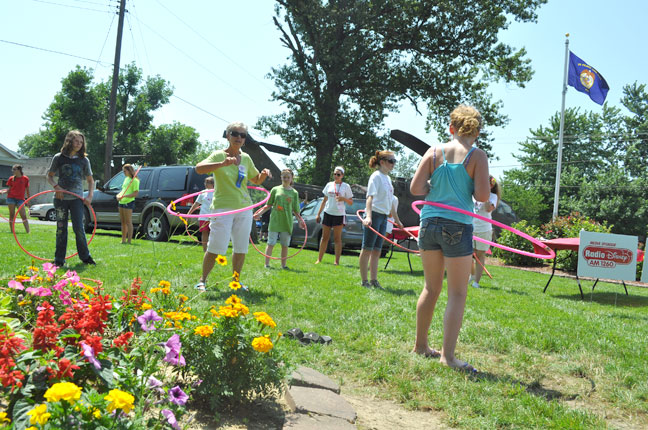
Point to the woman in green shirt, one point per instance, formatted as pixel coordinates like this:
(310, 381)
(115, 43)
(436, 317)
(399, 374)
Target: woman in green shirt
(126, 199)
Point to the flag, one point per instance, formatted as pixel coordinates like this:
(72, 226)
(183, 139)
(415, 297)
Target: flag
(586, 79)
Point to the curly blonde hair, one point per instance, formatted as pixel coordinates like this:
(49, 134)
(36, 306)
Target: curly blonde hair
(466, 120)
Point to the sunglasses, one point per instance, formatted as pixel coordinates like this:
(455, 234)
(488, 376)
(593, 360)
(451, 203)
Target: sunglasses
(337, 174)
(390, 160)
(238, 134)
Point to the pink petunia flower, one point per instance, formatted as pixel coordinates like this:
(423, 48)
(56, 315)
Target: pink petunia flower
(89, 354)
(171, 419)
(50, 269)
(172, 347)
(40, 291)
(16, 285)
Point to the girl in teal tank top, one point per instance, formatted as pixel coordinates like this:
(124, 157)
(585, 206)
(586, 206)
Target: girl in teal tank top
(456, 171)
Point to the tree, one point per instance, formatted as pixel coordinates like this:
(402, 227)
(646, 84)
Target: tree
(82, 104)
(352, 61)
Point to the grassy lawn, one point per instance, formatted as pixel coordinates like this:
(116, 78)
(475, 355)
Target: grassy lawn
(546, 360)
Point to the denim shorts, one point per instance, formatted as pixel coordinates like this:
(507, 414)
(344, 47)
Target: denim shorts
(129, 205)
(16, 202)
(370, 240)
(453, 238)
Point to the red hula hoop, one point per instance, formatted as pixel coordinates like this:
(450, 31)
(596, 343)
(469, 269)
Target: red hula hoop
(45, 192)
(214, 215)
(290, 256)
(385, 238)
(550, 252)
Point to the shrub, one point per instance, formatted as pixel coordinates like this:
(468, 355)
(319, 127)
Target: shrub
(571, 226)
(513, 240)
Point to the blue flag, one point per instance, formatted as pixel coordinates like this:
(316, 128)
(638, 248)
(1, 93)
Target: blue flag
(586, 79)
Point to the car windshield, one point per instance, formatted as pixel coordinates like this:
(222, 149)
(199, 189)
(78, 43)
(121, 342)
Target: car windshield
(356, 206)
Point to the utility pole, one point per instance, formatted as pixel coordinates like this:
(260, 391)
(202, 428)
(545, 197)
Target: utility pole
(113, 94)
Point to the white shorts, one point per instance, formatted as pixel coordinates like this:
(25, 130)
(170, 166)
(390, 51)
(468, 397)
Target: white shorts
(283, 238)
(478, 246)
(235, 226)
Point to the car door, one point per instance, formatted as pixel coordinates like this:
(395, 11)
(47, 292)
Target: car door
(104, 202)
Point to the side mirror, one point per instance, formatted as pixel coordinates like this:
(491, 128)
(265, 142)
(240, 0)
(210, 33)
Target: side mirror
(98, 185)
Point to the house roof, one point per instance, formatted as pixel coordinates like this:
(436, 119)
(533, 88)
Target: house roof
(10, 153)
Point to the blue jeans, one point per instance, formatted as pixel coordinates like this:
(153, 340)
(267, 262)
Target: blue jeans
(452, 238)
(370, 240)
(75, 208)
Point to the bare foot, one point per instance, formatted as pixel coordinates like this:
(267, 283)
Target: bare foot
(318, 261)
(337, 263)
(427, 352)
(458, 365)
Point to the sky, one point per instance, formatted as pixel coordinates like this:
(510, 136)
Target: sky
(216, 55)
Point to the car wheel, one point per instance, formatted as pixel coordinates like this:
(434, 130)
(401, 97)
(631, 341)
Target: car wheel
(51, 215)
(88, 221)
(156, 227)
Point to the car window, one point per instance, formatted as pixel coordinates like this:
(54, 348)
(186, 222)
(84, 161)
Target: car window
(196, 182)
(310, 208)
(144, 177)
(172, 179)
(116, 182)
(356, 206)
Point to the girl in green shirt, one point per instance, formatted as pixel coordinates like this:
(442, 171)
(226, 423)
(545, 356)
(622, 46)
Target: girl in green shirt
(126, 199)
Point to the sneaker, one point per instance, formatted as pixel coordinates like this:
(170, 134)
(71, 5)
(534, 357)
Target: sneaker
(376, 284)
(90, 261)
(200, 286)
(267, 266)
(245, 288)
(366, 284)
(285, 267)
(475, 284)
(59, 263)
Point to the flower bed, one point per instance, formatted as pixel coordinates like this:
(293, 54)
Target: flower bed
(72, 356)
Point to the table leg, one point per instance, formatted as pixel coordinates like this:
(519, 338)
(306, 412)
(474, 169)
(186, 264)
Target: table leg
(553, 270)
(624, 286)
(595, 282)
(579, 287)
(408, 255)
(390, 256)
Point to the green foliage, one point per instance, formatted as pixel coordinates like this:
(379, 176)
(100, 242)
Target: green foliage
(512, 240)
(353, 62)
(527, 203)
(570, 226)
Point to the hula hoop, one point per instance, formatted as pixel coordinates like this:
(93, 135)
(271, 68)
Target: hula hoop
(213, 215)
(385, 238)
(290, 256)
(550, 252)
(482, 265)
(45, 192)
(132, 179)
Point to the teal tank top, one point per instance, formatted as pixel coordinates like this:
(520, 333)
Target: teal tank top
(452, 186)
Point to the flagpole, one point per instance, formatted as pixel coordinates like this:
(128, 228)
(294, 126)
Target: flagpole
(562, 129)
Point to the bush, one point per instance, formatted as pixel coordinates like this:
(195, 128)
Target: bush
(513, 240)
(571, 226)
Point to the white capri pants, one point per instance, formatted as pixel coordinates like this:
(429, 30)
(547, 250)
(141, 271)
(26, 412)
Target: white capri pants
(236, 227)
(478, 246)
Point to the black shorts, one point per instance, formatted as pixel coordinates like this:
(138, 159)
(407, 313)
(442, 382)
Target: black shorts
(333, 220)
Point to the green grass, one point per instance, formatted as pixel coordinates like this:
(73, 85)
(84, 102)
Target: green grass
(547, 360)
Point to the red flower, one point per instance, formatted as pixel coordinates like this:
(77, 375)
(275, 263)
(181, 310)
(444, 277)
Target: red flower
(94, 342)
(122, 340)
(66, 369)
(134, 295)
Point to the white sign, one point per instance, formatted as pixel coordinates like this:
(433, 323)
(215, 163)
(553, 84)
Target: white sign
(608, 256)
(644, 273)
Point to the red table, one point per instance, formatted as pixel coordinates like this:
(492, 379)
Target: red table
(572, 244)
(399, 235)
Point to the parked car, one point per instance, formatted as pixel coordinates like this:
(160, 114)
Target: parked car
(158, 187)
(44, 211)
(351, 233)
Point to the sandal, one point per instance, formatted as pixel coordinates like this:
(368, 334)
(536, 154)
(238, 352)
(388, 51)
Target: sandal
(200, 286)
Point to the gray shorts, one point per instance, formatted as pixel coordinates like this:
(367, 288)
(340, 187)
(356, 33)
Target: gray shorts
(452, 238)
(283, 237)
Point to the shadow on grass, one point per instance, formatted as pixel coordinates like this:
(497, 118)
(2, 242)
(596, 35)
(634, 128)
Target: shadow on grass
(534, 388)
(397, 292)
(609, 298)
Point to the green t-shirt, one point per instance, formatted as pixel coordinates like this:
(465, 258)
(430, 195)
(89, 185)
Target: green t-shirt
(126, 189)
(283, 203)
(229, 191)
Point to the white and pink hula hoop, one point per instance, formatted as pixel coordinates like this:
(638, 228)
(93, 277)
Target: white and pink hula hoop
(386, 238)
(213, 215)
(549, 252)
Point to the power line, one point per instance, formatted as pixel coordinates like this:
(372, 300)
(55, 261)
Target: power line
(55, 52)
(105, 40)
(71, 6)
(148, 60)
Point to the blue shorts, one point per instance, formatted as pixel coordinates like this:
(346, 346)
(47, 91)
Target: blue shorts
(130, 205)
(16, 202)
(453, 238)
(370, 240)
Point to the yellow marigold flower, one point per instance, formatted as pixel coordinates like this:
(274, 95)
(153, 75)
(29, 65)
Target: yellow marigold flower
(48, 279)
(119, 400)
(177, 316)
(39, 415)
(85, 296)
(164, 284)
(63, 391)
(228, 311)
(146, 306)
(222, 260)
(166, 291)
(265, 319)
(3, 418)
(39, 278)
(33, 269)
(262, 344)
(234, 285)
(31, 428)
(97, 413)
(240, 307)
(233, 299)
(88, 289)
(214, 312)
(155, 290)
(183, 298)
(24, 302)
(204, 330)
(236, 275)
(22, 278)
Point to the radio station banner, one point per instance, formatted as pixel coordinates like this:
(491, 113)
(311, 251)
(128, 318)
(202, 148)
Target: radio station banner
(608, 256)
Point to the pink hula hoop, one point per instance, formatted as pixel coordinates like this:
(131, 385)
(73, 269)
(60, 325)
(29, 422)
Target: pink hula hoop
(550, 252)
(385, 238)
(213, 215)
(45, 192)
(290, 256)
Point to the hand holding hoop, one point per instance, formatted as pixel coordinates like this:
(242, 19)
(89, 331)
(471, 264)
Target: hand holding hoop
(214, 215)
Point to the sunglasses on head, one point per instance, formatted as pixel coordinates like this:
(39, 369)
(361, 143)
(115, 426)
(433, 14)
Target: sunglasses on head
(238, 134)
(390, 160)
(337, 174)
